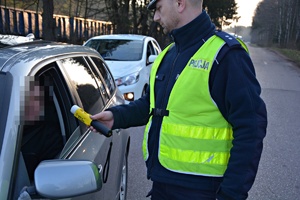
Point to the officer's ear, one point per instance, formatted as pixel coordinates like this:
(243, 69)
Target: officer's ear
(181, 4)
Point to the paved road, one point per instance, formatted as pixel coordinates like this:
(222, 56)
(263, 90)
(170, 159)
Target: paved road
(138, 185)
(278, 176)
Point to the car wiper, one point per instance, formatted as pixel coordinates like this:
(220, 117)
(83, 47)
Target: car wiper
(108, 58)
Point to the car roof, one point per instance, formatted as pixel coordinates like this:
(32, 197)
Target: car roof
(38, 50)
(121, 36)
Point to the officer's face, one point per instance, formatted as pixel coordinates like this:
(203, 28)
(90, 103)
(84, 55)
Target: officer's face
(166, 14)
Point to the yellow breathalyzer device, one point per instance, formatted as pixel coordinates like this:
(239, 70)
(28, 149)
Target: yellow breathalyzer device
(83, 116)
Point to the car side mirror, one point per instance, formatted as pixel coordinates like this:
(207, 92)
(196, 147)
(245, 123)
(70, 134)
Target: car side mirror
(56, 179)
(151, 58)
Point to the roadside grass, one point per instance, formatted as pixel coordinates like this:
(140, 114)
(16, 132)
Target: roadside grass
(291, 54)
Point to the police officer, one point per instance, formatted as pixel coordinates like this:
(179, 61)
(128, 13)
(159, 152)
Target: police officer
(205, 120)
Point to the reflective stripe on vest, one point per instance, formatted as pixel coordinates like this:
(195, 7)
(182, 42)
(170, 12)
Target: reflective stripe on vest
(195, 138)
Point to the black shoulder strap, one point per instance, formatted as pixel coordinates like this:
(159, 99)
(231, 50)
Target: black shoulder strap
(230, 40)
(231, 43)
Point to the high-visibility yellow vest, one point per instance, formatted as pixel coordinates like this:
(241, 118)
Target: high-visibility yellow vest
(194, 138)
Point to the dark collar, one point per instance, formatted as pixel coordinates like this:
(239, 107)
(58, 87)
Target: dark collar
(199, 29)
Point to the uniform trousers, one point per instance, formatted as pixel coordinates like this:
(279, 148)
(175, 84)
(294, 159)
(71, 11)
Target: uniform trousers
(163, 191)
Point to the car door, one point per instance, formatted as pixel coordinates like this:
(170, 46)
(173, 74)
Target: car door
(115, 170)
(84, 144)
(64, 136)
(93, 85)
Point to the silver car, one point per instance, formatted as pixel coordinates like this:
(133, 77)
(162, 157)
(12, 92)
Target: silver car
(45, 152)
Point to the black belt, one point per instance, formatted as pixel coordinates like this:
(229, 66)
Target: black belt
(159, 112)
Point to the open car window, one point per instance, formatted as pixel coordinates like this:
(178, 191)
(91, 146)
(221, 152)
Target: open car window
(42, 135)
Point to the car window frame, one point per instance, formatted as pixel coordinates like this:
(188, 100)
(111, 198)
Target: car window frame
(6, 88)
(152, 51)
(66, 98)
(111, 92)
(51, 70)
(102, 86)
(63, 100)
(156, 46)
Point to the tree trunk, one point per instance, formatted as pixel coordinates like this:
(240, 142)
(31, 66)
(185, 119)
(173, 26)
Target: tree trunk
(48, 21)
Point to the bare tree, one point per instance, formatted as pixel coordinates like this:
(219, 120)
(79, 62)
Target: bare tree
(48, 21)
(284, 31)
(297, 24)
(118, 11)
(221, 12)
(264, 27)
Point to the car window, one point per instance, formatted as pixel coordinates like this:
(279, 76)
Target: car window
(118, 49)
(51, 131)
(63, 101)
(83, 81)
(42, 137)
(107, 77)
(48, 128)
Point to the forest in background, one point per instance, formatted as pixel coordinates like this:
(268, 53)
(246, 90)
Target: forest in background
(277, 23)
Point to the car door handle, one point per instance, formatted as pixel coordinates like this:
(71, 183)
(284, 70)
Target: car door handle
(100, 168)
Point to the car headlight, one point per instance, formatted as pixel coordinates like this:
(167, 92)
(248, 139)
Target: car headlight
(128, 80)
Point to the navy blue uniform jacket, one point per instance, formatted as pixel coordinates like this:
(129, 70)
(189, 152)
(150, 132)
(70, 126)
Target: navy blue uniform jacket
(235, 90)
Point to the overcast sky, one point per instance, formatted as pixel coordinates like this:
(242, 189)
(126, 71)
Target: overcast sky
(246, 11)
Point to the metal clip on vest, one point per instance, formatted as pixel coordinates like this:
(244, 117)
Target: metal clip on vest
(159, 112)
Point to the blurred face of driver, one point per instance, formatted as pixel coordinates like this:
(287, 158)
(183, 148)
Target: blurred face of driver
(34, 102)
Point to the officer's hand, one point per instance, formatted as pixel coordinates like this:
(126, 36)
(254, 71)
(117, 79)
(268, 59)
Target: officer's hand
(105, 117)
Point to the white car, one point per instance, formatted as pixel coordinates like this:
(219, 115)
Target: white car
(129, 58)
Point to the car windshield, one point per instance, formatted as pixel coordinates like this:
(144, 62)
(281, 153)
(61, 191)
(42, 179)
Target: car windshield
(118, 49)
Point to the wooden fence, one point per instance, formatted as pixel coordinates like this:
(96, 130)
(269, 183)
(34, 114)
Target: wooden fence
(71, 29)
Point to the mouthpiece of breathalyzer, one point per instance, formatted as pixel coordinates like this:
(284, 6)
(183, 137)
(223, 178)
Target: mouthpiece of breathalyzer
(80, 114)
